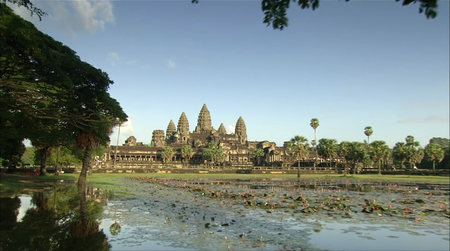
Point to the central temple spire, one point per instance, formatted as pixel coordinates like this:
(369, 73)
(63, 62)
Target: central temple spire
(241, 131)
(204, 121)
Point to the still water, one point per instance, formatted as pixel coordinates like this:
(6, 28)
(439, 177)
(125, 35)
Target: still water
(71, 218)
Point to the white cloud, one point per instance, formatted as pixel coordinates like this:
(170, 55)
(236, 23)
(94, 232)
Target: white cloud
(93, 15)
(230, 128)
(126, 130)
(113, 58)
(438, 118)
(72, 17)
(171, 64)
(131, 62)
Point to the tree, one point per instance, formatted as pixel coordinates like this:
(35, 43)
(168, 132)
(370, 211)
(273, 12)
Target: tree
(368, 132)
(46, 136)
(28, 156)
(27, 4)
(213, 153)
(299, 147)
(327, 148)
(415, 152)
(353, 153)
(69, 155)
(314, 123)
(417, 156)
(43, 79)
(379, 151)
(443, 142)
(275, 11)
(434, 152)
(258, 153)
(167, 153)
(400, 153)
(187, 152)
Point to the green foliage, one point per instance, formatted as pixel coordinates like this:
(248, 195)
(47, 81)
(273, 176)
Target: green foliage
(435, 153)
(66, 157)
(353, 153)
(63, 98)
(167, 153)
(27, 4)
(414, 152)
(11, 151)
(299, 147)
(275, 11)
(327, 149)
(28, 157)
(314, 123)
(213, 153)
(368, 131)
(443, 142)
(258, 153)
(400, 153)
(187, 152)
(379, 151)
(57, 222)
(115, 228)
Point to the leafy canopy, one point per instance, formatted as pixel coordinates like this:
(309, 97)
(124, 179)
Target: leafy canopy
(275, 11)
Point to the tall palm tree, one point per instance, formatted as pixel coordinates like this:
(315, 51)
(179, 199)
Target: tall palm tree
(187, 152)
(368, 131)
(167, 154)
(327, 149)
(434, 152)
(379, 151)
(315, 124)
(87, 141)
(299, 147)
(415, 152)
(257, 154)
(400, 153)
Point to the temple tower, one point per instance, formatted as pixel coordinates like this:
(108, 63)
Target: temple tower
(158, 138)
(183, 129)
(204, 121)
(170, 132)
(222, 130)
(241, 131)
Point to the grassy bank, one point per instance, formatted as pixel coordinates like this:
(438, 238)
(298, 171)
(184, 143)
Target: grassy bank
(25, 184)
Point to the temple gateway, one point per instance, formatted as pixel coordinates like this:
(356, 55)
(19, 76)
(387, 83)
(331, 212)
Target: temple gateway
(237, 150)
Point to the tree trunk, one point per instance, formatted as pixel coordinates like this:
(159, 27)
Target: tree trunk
(85, 167)
(44, 156)
(434, 165)
(315, 148)
(298, 173)
(57, 171)
(379, 167)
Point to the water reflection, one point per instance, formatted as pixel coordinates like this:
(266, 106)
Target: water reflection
(279, 184)
(62, 218)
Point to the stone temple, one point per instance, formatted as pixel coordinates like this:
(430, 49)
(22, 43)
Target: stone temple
(237, 149)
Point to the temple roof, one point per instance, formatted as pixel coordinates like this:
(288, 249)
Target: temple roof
(170, 129)
(204, 120)
(222, 129)
(183, 124)
(240, 127)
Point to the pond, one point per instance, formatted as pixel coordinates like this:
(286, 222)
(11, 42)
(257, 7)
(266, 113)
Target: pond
(251, 214)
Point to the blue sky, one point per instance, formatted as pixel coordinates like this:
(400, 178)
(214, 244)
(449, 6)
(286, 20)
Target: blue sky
(351, 65)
